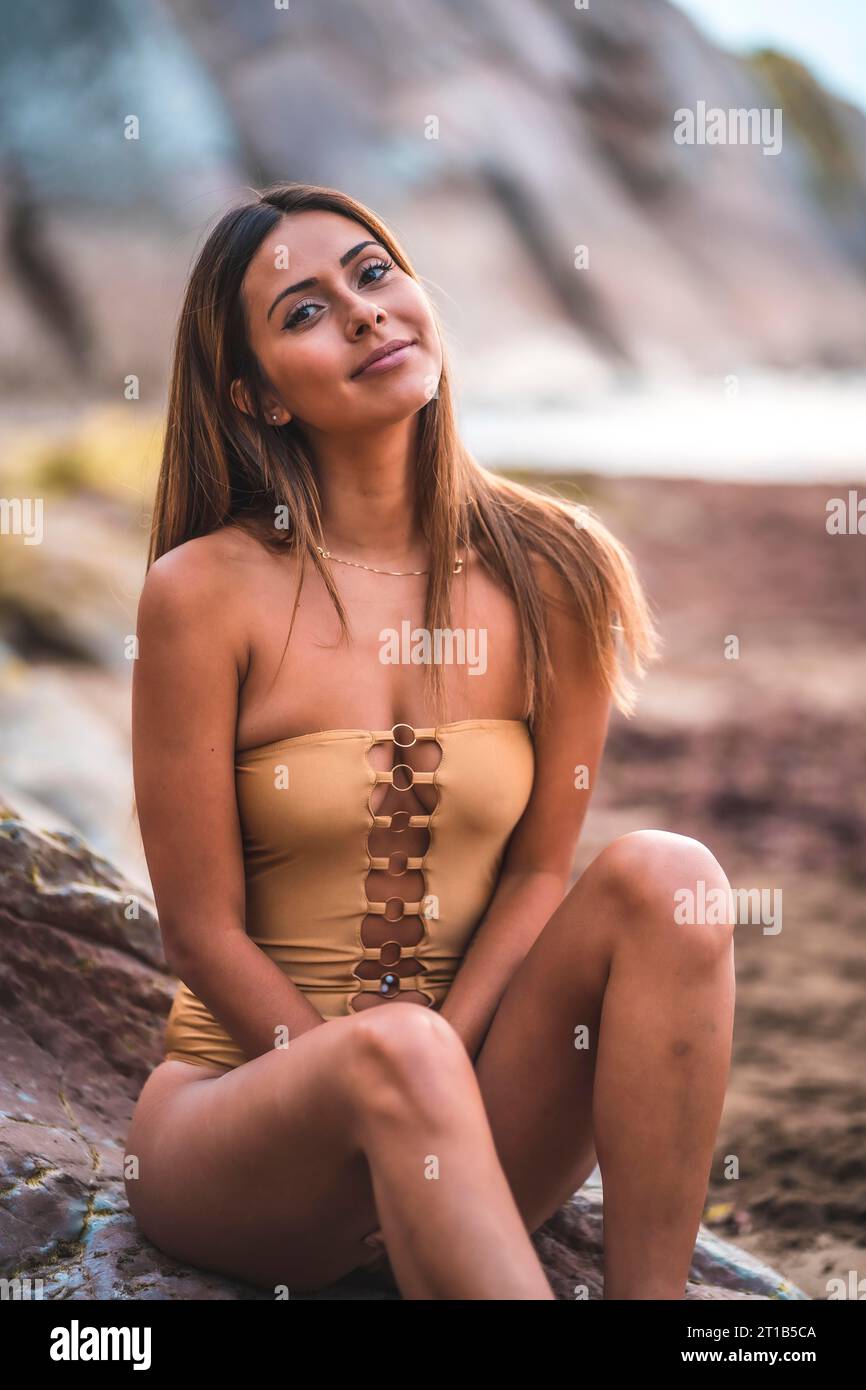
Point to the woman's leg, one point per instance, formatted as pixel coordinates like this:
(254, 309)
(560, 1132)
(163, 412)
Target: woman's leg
(613, 1039)
(450, 1223)
(274, 1171)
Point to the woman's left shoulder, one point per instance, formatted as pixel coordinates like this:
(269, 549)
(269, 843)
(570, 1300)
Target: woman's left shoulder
(552, 582)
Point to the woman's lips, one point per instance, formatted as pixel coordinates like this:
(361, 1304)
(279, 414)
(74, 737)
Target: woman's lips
(384, 364)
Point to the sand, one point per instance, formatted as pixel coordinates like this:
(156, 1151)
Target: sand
(764, 759)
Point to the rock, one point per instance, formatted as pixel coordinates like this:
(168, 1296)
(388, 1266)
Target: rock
(84, 992)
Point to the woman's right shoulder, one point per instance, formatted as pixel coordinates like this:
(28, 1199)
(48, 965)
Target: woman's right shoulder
(201, 572)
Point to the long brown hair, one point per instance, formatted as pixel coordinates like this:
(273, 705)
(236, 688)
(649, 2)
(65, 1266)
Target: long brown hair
(220, 464)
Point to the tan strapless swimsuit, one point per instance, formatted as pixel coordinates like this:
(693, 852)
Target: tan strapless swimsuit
(314, 831)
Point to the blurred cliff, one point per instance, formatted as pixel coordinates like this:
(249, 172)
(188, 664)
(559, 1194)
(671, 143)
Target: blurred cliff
(553, 130)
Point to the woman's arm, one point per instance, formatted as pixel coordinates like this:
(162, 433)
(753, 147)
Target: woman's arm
(537, 864)
(192, 657)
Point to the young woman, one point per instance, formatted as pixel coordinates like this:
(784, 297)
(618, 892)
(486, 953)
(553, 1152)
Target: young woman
(369, 707)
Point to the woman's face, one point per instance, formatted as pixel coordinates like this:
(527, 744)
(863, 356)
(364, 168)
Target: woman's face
(311, 339)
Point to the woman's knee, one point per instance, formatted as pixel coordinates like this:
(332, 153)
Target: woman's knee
(663, 882)
(406, 1058)
(405, 1037)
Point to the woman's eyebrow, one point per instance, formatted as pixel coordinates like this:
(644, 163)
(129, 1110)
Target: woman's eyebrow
(308, 284)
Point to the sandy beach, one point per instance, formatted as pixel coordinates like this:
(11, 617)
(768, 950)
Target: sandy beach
(764, 759)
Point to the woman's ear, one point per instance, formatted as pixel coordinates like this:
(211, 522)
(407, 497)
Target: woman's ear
(274, 412)
(240, 396)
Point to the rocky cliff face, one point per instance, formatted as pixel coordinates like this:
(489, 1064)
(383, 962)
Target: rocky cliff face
(497, 138)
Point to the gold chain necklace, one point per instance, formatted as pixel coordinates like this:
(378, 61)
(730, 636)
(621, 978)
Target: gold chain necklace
(326, 555)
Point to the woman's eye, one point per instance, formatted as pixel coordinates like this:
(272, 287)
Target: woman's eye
(376, 265)
(294, 318)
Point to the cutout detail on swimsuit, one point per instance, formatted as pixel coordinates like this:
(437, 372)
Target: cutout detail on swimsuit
(401, 777)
